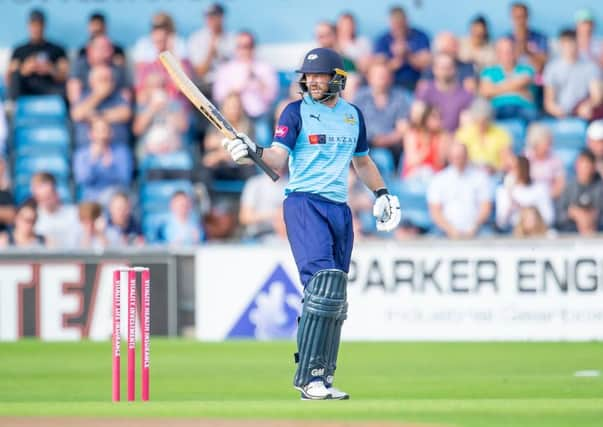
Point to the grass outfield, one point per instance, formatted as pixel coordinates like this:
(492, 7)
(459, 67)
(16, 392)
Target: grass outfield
(464, 384)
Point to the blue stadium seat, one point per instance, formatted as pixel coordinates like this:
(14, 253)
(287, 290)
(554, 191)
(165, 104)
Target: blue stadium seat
(413, 201)
(155, 195)
(384, 160)
(151, 224)
(284, 81)
(56, 164)
(567, 133)
(568, 157)
(517, 130)
(36, 140)
(40, 109)
(409, 97)
(180, 160)
(263, 132)
(228, 186)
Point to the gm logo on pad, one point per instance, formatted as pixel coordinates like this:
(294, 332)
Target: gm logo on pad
(317, 139)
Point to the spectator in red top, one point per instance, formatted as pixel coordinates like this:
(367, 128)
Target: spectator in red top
(425, 146)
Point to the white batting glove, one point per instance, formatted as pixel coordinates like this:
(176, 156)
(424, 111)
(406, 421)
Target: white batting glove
(239, 148)
(387, 212)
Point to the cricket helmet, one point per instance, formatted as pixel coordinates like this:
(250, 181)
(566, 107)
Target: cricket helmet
(324, 61)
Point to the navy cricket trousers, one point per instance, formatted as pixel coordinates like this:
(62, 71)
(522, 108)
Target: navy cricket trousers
(320, 233)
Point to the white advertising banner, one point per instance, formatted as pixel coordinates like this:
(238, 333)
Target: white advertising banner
(70, 299)
(429, 290)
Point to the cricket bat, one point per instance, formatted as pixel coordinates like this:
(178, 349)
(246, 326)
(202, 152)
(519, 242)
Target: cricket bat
(200, 101)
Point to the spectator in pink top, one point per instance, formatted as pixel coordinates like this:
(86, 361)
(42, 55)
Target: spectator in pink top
(254, 80)
(545, 167)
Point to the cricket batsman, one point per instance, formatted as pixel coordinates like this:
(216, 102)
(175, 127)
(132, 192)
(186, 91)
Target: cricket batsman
(319, 135)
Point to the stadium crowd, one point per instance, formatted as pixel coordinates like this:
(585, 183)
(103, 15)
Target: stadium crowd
(477, 136)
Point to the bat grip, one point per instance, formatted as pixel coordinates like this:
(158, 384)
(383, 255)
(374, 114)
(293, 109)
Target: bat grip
(262, 164)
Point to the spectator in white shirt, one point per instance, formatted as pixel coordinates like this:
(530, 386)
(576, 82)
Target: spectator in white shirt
(210, 46)
(145, 50)
(459, 197)
(519, 191)
(355, 47)
(261, 200)
(55, 221)
(254, 80)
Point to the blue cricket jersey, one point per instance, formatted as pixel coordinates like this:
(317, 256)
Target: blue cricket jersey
(321, 142)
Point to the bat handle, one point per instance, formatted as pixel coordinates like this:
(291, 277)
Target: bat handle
(263, 165)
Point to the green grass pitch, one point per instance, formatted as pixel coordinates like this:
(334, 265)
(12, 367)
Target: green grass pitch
(462, 384)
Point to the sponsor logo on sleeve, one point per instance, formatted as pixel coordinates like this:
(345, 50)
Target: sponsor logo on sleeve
(281, 131)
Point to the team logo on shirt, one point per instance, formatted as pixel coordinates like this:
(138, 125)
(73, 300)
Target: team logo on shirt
(317, 139)
(281, 131)
(350, 119)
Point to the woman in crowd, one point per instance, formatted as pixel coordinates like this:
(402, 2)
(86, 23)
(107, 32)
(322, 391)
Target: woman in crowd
(425, 145)
(350, 44)
(545, 167)
(22, 235)
(519, 191)
(476, 48)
